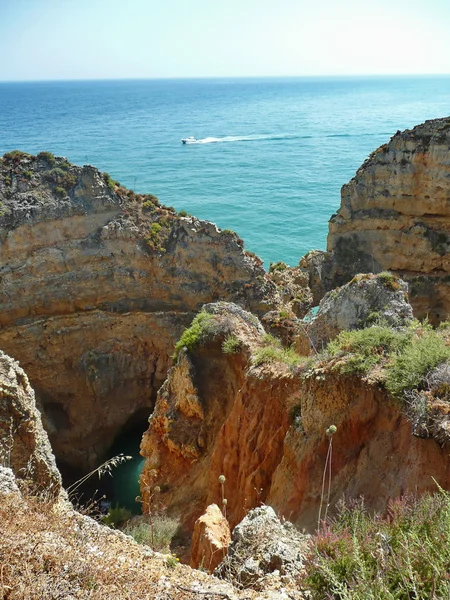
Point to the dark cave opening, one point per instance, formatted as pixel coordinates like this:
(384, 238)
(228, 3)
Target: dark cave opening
(120, 486)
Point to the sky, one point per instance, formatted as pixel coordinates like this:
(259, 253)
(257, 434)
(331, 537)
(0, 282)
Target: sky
(115, 39)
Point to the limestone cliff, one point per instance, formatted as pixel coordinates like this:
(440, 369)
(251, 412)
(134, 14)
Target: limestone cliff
(24, 445)
(255, 413)
(96, 285)
(395, 215)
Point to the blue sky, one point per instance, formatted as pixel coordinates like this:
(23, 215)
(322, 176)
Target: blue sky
(91, 39)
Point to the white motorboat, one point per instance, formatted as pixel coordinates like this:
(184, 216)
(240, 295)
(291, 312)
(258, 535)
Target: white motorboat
(189, 140)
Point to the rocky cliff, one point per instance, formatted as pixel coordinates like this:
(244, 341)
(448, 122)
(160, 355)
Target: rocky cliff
(238, 404)
(24, 445)
(96, 285)
(395, 215)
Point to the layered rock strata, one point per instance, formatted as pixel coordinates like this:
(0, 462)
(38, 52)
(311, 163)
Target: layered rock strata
(395, 215)
(96, 285)
(247, 410)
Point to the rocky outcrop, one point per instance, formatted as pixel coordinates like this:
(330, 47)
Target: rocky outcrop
(366, 300)
(96, 285)
(395, 216)
(215, 416)
(259, 416)
(263, 549)
(210, 539)
(24, 445)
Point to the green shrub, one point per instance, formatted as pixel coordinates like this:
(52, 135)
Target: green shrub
(389, 280)
(27, 174)
(116, 517)
(48, 157)
(401, 556)
(110, 182)
(278, 266)
(408, 368)
(183, 213)
(15, 156)
(364, 348)
(231, 345)
(157, 533)
(201, 327)
(273, 351)
(61, 192)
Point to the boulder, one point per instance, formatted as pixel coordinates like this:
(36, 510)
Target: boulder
(263, 547)
(210, 540)
(367, 299)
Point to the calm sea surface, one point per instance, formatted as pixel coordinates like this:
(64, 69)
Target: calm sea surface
(273, 153)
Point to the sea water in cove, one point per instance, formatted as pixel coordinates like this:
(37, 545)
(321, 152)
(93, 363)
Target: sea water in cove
(271, 154)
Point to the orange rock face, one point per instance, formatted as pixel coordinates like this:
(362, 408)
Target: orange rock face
(263, 427)
(210, 539)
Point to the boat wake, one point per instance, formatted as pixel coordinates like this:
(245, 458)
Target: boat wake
(255, 138)
(236, 138)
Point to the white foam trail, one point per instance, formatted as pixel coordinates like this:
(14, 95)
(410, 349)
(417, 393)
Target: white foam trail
(239, 138)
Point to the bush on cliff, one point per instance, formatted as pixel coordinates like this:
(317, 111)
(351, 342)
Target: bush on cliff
(405, 554)
(272, 350)
(404, 356)
(200, 328)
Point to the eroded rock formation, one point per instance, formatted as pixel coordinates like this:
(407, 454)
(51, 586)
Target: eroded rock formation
(24, 445)
(96, 285)
(261, 420)
(210, 539)
(395, 215)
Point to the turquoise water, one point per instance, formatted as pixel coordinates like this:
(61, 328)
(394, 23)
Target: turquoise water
(280, 152)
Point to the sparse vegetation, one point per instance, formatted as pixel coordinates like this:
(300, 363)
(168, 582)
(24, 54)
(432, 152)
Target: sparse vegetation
(406, 355)
(231, 345)
(15, 156)
(278, 266)
(201, 327)
(157, 535)
(389, 280)
(401, 556)
(48, 157)
(272, 350)
(61, 192)
(117, 516)
(27, 174)
(110, 182)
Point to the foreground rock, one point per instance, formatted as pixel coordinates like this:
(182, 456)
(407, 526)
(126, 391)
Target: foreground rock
(395, 216)
(210, 539)
(24, 445)
(264, 552)
(96, 285)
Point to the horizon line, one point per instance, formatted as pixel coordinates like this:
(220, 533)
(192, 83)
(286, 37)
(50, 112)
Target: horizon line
(232, 77)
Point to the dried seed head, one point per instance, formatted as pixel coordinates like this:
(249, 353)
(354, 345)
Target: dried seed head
(222, 479)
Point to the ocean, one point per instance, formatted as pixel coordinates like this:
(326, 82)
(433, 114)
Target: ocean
(272, 153)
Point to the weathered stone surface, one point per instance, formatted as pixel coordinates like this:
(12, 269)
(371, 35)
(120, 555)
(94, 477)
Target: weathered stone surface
(24, 445)
(367, 299)
(263, 545)
(213, 416)
(210, 539)
(264, 426)
(395, 215)
(8, 483)
(96, 285)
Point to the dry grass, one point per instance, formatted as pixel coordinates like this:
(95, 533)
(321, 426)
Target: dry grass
(48, 551)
